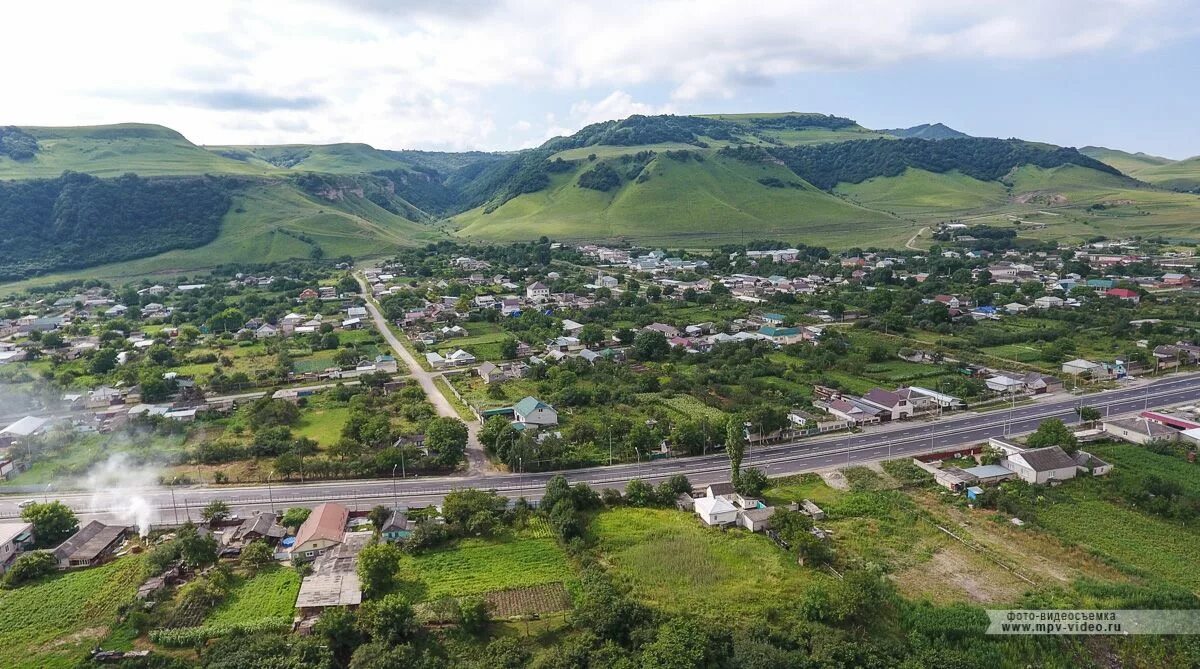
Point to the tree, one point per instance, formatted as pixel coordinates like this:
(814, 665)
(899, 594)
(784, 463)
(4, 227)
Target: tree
(295, 517)
(625, 336)
(104, 361)
(735, 446)
(29, 567)
(689, 436)
(379, 516)
(53, 523)
(229, 319)
(679, 644)
(447, 437)
(650, 345)
(472, 511)
(195, 550)
(557, 488)
(214, 511)
(640, 493)
(508, 348)
(1053, 432)
(1089, 414)
(389, 619)
(473, 614)
(337, 628)
(751, 482)
(377, 565)
(257, 555)
(591, 335)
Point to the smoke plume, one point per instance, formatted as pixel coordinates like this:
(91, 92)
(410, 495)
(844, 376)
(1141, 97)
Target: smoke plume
(117, 485)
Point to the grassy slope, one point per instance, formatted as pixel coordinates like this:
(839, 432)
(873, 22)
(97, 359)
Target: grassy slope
(917, 191)
(255, 230)
(330, 158)
(710, 202)
(1128, 163)
(110, 151)
(1128, 207)
(270, 594)
(1179, 175)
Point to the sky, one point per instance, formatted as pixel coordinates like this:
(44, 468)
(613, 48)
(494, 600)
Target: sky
(458, 75)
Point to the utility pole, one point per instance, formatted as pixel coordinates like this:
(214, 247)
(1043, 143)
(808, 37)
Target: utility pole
(395, 498)
(173, 507)
(270, 495)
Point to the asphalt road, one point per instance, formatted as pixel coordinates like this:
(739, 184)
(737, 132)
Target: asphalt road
(807, 455)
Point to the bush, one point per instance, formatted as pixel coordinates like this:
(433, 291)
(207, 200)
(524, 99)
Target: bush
(29, 567)
(184, 637)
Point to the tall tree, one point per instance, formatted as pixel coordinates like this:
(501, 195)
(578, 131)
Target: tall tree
(735, 446)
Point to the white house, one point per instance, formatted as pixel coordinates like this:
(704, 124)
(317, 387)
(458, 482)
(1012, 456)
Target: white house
(716, 511)
(537, 290)
(1081, 367)
(1048, 302)
(532, 411)
(1042, 465)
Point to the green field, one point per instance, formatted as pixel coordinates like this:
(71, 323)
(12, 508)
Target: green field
(672, 562)
(269, 594)
(478, 566)
(322, 424)
(718, 200)
(1179, 175)
(53, 623)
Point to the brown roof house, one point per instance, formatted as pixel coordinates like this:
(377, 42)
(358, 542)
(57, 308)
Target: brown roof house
(91, 545)
(324, 529)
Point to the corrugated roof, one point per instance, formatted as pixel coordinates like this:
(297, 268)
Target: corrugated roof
(1046, 459)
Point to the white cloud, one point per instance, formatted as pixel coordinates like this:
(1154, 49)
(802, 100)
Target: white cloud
(439, 75)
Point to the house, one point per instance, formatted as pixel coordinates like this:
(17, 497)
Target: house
(532, 411)
(855, 413)
(1042, 465)
(1139, 430)
(1091, 464)
(1081, 367)
(570, 327)
(1001, 383)
(266, 330)
(26, 427)
(1040, 384)
(260, 526)
(756, 520)
(1124, 294)
(91, 545)
(716, 510)
(668, 331)
(324, 529)
(334, 579)
(1176, 279)
(894, 406)
(15, 538)
(1048, 302)
(609, 282)
(490, 372)
(460, 357)
(397, 526)
(537, 291)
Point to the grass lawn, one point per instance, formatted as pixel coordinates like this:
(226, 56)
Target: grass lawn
(444, 387)
(478, 566)
(53, 623)
(269, 594)
(322, 424)
(675, 564)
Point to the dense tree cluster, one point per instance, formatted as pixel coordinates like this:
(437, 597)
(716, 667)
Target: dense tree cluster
(78, 220)
(17, 144)
(827, 165)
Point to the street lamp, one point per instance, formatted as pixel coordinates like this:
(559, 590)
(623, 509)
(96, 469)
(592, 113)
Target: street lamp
(270, 495)
(173, 507)
(395, 498)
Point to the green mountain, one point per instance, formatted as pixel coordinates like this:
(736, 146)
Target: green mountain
(667, 180)
(926, 131)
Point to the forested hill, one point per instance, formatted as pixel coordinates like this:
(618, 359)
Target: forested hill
(986, 159)
(79, 220)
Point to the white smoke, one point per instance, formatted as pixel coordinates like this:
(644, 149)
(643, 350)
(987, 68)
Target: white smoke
(117, 485)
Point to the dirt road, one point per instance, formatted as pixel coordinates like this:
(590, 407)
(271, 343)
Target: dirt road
(477, 461)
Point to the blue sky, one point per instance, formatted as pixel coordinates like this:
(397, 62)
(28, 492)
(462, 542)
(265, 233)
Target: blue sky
(460, 74)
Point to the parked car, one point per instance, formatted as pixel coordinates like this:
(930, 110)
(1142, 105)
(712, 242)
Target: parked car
(26, 503)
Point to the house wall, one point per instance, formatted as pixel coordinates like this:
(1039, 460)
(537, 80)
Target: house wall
(316, 547)
(720, 518)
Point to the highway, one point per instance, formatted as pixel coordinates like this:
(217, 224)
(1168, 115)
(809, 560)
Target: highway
(812, 454)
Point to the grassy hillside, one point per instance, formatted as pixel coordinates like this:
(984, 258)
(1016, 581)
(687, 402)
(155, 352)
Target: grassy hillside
(1128, 163)
(713, 201)
(918, 192)
(271, 221)
(1180, 175)
(330, 158)
(113, 150)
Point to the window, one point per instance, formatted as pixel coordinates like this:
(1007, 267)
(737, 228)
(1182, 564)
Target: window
(308, 553)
